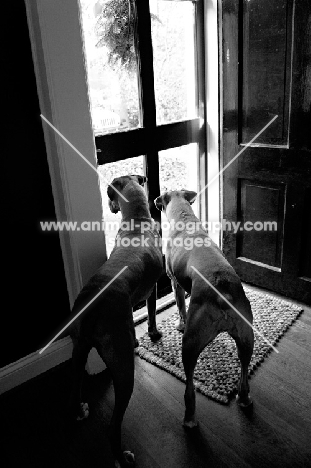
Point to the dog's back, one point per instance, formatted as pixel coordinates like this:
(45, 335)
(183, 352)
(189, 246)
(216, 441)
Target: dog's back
(218, 302)
(138, 250)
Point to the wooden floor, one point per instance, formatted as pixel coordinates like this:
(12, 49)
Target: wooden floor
(276, 433)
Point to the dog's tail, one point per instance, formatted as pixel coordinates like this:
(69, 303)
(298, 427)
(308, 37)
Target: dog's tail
(224, 298)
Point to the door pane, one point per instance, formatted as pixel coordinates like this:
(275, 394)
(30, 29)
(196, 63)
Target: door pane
(174, 59)
(108, 30)
(266, 61)
(178, 170)
(107, 173)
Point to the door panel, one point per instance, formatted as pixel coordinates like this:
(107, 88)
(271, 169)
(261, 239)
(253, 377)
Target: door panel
(261, 206)
(266, 72)
(265, 54)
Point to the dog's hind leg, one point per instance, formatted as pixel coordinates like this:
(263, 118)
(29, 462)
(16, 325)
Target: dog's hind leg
(118, 354)
(181, 305)
(244, 339)
(81, 349)
(199, 332)
(153, 331)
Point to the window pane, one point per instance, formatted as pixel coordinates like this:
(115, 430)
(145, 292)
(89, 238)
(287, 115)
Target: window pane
(178, 170)
(174, 59)
(108, 30)
(107, 173)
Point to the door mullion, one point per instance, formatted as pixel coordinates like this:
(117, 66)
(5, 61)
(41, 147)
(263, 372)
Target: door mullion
(144, 43)
(123, 145)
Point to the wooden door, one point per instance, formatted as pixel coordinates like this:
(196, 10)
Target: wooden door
(266, 68)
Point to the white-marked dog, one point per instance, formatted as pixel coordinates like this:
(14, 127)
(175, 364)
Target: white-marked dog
(208, 313)
(107, 324)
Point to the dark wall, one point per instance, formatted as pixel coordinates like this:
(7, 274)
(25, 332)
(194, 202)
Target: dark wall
(34, 294)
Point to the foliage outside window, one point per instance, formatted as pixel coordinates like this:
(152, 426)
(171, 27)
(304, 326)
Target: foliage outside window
(109, 28)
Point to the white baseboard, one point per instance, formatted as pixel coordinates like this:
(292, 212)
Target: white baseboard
(34, 364)
(60, 351)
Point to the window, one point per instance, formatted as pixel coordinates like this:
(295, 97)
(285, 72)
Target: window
(145, 70)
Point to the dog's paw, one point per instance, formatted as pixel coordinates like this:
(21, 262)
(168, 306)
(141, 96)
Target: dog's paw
(83, 412)
(155, 335)
(180, 325)
(127, 460)
(192, 424)
(245, 402)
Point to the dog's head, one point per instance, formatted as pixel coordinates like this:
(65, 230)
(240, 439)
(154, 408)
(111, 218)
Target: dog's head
(117, 186)
(163, 200)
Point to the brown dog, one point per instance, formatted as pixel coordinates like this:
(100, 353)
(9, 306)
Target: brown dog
(107, 324)
(188, 252)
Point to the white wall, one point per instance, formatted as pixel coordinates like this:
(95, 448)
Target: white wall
(61, 79)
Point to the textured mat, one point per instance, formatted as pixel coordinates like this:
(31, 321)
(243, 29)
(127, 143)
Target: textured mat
(218, 368)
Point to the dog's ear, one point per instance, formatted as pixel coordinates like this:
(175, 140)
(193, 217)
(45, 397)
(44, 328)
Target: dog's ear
(113, 195)
(140, 179)
(116, 186)
(190, 196)
(162, 201)
(159, 203)
(114, 206)
(110, 192)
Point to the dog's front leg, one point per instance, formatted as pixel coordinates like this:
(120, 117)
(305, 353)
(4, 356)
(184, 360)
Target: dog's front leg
(153, 332)
(181, 305)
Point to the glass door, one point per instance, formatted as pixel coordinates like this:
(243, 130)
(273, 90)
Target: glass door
(145, 72)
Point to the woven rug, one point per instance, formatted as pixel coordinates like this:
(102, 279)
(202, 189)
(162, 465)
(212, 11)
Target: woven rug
(218, 368)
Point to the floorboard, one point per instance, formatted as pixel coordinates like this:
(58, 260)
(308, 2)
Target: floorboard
(275, 433)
